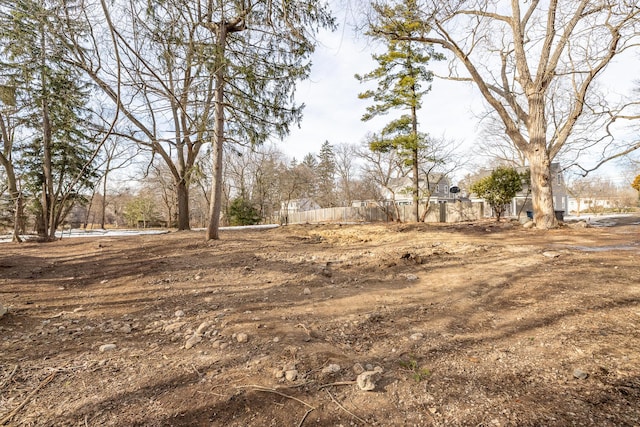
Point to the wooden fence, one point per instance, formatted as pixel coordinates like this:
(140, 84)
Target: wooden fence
(438, 212)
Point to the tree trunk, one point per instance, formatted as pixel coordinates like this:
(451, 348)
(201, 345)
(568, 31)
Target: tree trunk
(414, 168)
(182, 191)
(48, 202)
(540, 164)
(17, 219)
(541, 190)
(215, 205)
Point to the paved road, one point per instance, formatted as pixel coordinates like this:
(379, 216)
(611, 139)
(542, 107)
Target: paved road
(608, 220)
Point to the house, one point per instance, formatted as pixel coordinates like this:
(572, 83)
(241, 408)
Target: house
(400, 190)
(298, 205)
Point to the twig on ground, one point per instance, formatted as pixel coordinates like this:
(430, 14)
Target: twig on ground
(6, 381)
(345, 409)
(270, 390)
(304, 417)
(28, 398)
(338, 383)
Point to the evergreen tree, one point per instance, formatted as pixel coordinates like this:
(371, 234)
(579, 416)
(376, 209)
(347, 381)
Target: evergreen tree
(325, 172)
(403, 80)
(57, 148)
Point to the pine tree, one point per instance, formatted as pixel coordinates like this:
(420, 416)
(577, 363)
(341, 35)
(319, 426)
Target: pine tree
(325, 172)
(57, 150)
(403, 80)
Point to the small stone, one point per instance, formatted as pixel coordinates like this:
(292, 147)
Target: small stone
(416, 337)
(179, 313)
(278, 373)
(198, 276)
(367, 380)
(331, 369)
(580, 374)
(529, 224)
(357, 369)
(195, 339)
(307, 291)
(102, 282)
(411, 277)
(107, 347)
(173, 327)
(126, 329)
(242, 337)
(3, 310)
(202, 327)
(276, 339)
(551, 254)
(291, 375)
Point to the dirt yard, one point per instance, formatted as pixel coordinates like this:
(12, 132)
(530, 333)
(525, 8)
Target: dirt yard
(473, 324)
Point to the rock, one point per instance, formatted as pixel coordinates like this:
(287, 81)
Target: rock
(529, 224)
(331, 369)
(126, 329)
(179, 313)
(242, 337)
(3, 310)
(193, 340)
(278, 373)
(291, 375)
(551, 254)
(416, 337)
(357, 369)
(276, 339)
(580, 374)
(202, 327)
(367, 380)
(411, 277)
(173, 327)
(107, 347)
(307, 291)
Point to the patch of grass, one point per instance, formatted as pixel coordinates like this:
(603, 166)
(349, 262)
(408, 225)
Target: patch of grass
(417, 373)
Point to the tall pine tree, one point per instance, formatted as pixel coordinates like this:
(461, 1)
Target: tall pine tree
(56, 153)
(403, 80)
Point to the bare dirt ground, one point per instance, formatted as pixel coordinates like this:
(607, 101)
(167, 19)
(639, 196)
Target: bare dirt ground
(472, 324)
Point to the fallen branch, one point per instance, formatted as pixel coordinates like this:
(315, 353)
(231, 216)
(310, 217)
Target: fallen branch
(345, 409)
(29, 397)
(338, 383)
(270, 390)
(5, 382)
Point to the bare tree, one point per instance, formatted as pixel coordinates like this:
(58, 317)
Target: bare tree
(536, 64)
(383, 168)
(345, 163)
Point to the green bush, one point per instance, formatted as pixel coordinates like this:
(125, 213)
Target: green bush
(241, 212)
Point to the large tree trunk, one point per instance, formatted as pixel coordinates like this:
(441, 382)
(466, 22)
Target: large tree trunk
(215, 206)
(541, 190)
(182, 191)
(540, 164)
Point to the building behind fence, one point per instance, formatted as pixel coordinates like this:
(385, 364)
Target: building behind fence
(457, 211)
